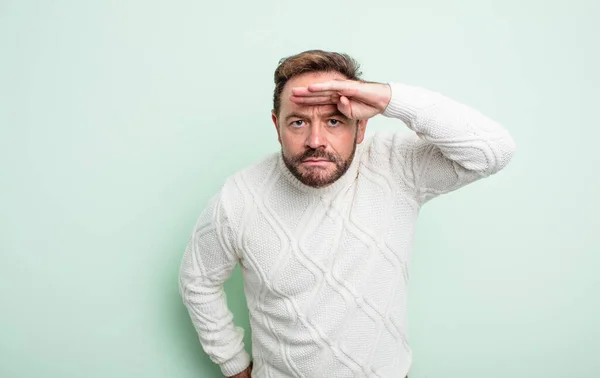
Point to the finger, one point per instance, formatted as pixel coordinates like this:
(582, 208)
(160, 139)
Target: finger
(314, 100)
(346, 87)
(344, 106)
(303, 91)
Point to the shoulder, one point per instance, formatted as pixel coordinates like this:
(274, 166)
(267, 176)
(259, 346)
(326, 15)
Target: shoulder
(241, 189)
(253, 177)
(387, 147)
(391, 155)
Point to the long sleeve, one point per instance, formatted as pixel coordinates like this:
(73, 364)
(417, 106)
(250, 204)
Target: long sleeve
(208, 261)
(454, 144)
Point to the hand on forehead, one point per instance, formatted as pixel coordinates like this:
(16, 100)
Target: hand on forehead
(326, 102)
(289, 106)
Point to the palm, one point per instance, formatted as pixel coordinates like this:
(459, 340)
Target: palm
(356, 109)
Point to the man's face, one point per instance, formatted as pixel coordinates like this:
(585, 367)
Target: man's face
(317, 142)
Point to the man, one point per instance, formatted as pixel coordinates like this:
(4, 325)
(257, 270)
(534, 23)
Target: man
(323, 231)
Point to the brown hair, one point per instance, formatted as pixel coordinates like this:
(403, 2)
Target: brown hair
(312, 61)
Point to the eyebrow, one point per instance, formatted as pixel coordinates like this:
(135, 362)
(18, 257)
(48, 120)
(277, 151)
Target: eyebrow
(335, 113)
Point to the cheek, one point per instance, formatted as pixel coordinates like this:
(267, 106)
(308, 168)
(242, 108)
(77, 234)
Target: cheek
(343, 144)
(291, 143)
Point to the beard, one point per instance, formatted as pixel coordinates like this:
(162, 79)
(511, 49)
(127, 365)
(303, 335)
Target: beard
(318, 177)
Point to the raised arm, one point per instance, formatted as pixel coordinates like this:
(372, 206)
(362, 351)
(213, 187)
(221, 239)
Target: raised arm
(453, 145)
(456, 144)
(207, 263)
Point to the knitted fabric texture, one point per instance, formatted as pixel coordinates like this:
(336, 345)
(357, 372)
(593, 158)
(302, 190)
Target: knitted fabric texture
(326, 270)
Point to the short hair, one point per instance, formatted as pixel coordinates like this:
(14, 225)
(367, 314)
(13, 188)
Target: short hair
(312, 61)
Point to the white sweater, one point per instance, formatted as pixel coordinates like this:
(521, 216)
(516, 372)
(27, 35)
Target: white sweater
(326, 270)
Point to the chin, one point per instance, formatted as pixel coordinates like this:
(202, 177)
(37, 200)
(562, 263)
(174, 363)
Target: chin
(318, 181)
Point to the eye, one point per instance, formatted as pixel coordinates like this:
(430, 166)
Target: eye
(298, 123)
(334, 122)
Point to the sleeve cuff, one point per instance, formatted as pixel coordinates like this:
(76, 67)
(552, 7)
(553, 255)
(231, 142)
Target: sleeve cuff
(406, 102)
(236, 365)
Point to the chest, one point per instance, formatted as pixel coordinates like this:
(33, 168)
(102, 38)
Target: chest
(292, 248)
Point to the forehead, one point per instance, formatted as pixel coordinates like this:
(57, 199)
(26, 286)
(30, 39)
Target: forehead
(302, 81)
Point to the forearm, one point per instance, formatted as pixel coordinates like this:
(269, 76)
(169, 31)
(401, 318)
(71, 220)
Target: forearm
(213, 321)
(207, 263)
(462, 134)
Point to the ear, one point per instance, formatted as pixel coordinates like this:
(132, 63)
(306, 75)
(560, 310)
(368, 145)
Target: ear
(274, 119)
(362, 127)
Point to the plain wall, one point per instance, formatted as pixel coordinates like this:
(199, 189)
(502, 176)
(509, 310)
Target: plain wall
(120, 119)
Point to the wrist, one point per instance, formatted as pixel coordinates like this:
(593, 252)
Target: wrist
(384, 95)
(246, 373)
(236, 365)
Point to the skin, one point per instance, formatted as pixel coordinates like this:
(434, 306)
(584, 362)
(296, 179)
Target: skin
(324, 112)
(322, 117)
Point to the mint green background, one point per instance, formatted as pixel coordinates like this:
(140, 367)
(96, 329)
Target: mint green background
(119, 119)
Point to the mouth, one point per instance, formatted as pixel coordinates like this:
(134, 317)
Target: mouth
(316, 162)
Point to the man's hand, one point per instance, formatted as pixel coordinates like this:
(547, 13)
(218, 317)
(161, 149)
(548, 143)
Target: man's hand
(247, 373)
(355, 99)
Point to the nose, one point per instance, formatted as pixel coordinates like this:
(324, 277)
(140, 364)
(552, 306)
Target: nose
(316, 137)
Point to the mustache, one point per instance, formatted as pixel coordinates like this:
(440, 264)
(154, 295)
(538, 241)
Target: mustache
(316, 154)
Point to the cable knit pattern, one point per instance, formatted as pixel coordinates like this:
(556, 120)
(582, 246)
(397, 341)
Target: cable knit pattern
(326, 270)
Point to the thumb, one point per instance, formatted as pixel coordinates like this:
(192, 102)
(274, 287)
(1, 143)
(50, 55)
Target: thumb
(344, 106)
